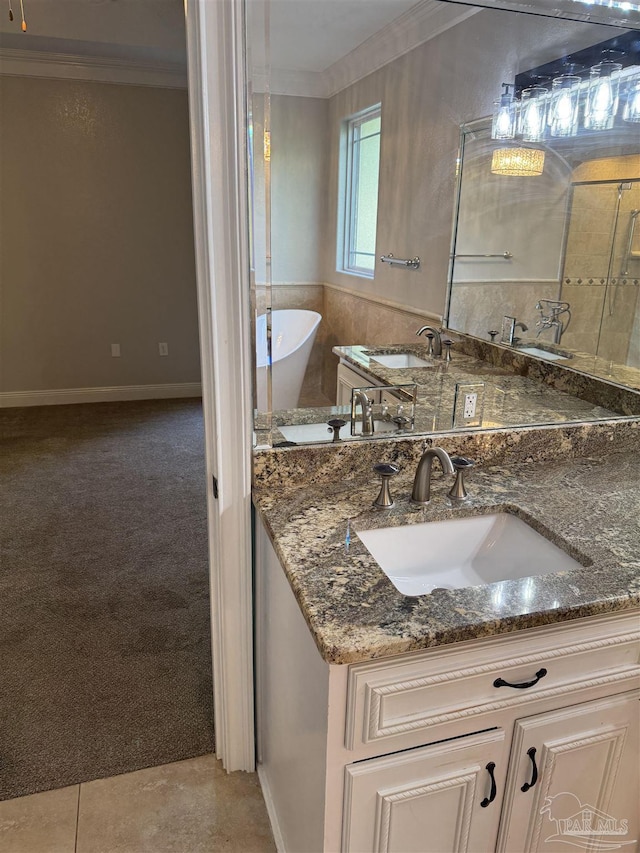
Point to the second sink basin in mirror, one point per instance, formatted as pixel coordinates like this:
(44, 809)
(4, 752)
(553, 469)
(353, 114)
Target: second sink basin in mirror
(399, 360)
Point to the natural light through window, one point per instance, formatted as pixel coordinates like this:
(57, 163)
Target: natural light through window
(359, 196)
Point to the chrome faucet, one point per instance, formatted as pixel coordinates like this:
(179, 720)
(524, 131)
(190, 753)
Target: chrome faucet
(437, 340)
(552, 319)
(359, 396)
(421, 493)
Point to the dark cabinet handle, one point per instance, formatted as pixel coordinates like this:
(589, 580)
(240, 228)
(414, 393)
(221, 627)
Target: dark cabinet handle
(490, 767)
(534, 771)
(500, 682)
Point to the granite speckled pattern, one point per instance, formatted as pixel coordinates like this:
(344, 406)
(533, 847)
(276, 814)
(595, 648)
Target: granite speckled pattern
(593, 379)
(510, 399)
(589, 506)
(316, 464)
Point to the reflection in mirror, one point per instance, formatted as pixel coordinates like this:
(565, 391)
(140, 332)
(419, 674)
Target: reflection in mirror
(568, 272)
(315, 68)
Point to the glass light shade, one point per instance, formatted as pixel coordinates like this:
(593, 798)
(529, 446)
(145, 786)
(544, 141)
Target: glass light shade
(533, 114)
(519, 162)
(603, 95)
(563, 106)
(631, 110)
(503, 125)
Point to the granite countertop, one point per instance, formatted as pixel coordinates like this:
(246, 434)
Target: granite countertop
(509, 399)
(590, 507)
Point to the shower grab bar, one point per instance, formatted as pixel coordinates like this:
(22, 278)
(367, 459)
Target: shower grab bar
(630, 254)
(412, 263)
(506, 255)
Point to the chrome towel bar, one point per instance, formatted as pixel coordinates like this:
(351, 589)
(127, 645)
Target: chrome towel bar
(413, 263)
(506, 255)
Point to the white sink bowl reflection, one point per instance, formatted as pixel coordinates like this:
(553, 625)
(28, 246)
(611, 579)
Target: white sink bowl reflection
(301, 433)
(462, 552)
(398, 360)
(543, 353)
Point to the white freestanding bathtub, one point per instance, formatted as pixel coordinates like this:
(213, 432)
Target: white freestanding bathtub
(293, 332)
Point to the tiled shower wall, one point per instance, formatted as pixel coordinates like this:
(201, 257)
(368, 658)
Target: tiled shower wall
(604, 300)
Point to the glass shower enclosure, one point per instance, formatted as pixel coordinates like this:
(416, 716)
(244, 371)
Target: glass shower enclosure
(601, 270)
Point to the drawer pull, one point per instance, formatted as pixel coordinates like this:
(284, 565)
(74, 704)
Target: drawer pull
(500, 682)
(490, 767)
(534, 771)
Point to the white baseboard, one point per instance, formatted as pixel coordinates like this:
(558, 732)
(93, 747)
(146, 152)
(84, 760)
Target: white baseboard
(62, 396)
(271, 809)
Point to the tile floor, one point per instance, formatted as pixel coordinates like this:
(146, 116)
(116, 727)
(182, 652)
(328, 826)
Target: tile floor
(187, 807)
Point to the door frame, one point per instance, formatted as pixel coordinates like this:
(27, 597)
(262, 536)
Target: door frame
(216, 72)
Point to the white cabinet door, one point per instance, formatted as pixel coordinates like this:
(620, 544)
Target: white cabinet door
(427, 800)
(586, 792)
(348, 380)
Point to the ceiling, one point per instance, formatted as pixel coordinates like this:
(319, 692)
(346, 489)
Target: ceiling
(129, 29)
(312, 36)
(307, 35)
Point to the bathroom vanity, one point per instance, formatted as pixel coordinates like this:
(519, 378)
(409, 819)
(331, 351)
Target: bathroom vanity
(497, 717)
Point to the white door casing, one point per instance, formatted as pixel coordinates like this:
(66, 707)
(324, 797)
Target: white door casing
(215, 33)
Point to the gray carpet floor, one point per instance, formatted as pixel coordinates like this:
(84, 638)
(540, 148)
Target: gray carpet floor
(105, 663)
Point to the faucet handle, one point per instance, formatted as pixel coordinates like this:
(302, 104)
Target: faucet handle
(430, 351)
(335, 425)
(385, 470)
(460, 464)
(448, 343)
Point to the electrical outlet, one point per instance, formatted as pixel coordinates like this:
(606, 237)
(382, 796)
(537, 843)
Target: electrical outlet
(163, 349)
(468, 405)
(470, 401)
(115, 350)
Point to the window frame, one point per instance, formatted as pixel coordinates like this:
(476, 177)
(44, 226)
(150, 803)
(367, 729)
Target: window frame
(349, 179)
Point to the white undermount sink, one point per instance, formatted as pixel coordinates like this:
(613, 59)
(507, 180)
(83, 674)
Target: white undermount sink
(543, 353)
(462, 552)
(321, 432)
(399, 360)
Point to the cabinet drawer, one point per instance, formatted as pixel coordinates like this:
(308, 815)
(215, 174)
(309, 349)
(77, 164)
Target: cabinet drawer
(386, 701)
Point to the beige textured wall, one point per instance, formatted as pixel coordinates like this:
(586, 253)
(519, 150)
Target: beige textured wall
(298, 174)
(498, 213)
(96, 236)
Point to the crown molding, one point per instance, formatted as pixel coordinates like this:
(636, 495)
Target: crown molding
(98, 69)
(415, 27)
(305, 84)
(418, 25)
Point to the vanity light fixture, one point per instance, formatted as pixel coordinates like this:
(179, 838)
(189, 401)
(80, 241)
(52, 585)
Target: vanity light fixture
(631, 111)
(573, 104)
(504, 115)
(519, 162)
(602, 95)
(533, 114)
(563, 105)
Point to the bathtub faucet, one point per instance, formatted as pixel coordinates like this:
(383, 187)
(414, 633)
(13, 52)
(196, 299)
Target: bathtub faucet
(360, 396)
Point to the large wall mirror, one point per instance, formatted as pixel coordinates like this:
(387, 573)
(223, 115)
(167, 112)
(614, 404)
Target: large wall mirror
(356, 109)
(554, 240)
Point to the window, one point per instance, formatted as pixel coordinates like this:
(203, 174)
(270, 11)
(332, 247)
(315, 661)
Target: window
(359, 193)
